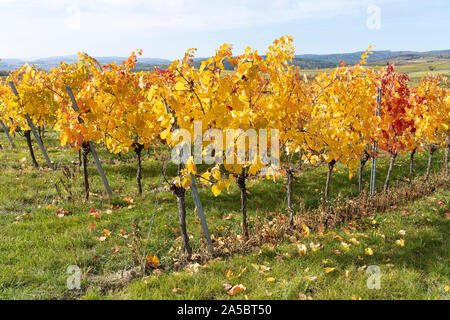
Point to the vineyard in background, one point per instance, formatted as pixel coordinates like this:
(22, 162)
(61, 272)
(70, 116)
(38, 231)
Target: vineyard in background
(335, 117)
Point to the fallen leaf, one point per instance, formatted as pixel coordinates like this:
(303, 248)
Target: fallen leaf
(106, 233)
(302, 248)
(345, 245)
(192, 267)
(329, 269)
(306, 230)
(61, 213)
(228, 217)
(95, 213)
(302, 296)
(314, 246)
(230, 274)
(227, 286)
(236, 290)
(362, 268)
(128, 199)
(153, 261)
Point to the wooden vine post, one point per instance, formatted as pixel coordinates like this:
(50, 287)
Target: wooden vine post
(91, 146)
(7, 134)
(33, 129)
(375, 150)
(196, 197)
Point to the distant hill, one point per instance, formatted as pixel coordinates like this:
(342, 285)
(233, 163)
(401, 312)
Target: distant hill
(304, 61)
(320, 61)
(51, 62)
(332, 60)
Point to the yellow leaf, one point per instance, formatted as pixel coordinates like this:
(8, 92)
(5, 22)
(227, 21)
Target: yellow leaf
(215, 190)
(306, 230)
(165, 134)
(190, 166)
(153, 261)
(230, 274)
(215, 173)
(106, 233)
(369, 251)
(329, 269)
(314, 246)
(186, 182)
(345, 245)
(64, 137)
(205, 177)
(270, 279)
(177, 181)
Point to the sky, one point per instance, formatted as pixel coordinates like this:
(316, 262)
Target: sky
(167, 28)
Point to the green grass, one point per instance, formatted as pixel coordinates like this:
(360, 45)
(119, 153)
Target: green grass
(35, 251)
(415, 69)
(419, 270)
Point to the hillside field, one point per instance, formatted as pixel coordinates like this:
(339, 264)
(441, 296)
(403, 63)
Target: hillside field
(43, 231)
(415, 69)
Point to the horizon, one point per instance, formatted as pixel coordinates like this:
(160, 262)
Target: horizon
(30, 59)
(166, 29)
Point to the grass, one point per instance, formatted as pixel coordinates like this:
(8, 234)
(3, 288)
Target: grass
(419, 270)
(415, 69)
(37, 248)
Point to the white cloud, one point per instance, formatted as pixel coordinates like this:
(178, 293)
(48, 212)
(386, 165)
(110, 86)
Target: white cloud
(40, 28)
(191, 15)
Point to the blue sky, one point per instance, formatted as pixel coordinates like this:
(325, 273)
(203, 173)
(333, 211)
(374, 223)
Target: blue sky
(166, 28)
